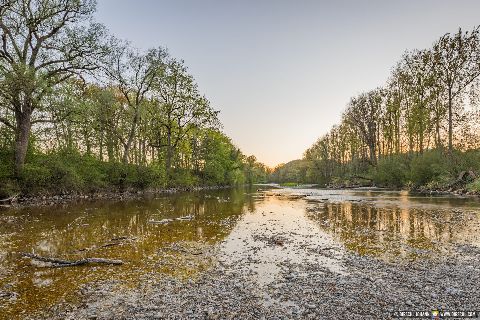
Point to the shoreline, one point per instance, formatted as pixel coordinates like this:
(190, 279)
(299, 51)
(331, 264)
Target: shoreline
(50, 200)
(19, 201)
(460, 192)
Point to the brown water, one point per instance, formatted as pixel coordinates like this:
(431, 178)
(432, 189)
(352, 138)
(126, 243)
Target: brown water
(254, 230)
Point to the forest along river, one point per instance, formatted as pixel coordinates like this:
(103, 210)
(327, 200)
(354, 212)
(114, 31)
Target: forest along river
(243, 253)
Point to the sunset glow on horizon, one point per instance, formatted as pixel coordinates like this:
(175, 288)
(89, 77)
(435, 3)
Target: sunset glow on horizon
(282, 72)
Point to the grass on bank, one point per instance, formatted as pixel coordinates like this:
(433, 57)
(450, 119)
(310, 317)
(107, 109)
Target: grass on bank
(474, 186)
(289, 184)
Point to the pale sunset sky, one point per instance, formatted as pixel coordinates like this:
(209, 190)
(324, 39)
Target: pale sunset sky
(281, 72)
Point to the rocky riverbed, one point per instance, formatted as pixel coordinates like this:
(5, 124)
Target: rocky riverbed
(369, 289)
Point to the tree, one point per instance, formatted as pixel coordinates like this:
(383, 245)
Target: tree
(43, 43)
(421, 90)
(133, 74)
(457, 61)
(363, 113)
(178, 108)
(393, 113)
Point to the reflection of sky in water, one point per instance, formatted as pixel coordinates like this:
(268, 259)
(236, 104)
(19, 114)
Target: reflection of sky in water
(251, 245)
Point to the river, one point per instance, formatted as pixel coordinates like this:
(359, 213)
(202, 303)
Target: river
(263, 234)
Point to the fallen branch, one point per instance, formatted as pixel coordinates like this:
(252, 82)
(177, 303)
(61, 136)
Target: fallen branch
(11, 199)
(166, 221)
(177, 248)
(69, 263)
(113, 242)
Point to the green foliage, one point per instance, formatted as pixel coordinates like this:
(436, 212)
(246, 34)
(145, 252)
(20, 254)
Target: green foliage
(35, 179)
(289, 184)
(8, 184)
(62, 172)
(235, 177)
(183, 178)
(429, 167)
(474, 186)
(124, 176)
(396, 134)
(146, 126)
(296, 171)
(391, 171)
(68, 171)
(432, 169)
(214, 172)
(465, 161)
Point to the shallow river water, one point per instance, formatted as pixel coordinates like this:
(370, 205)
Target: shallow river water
(255, 230)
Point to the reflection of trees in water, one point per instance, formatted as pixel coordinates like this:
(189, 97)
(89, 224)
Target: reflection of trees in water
(394, 231)
(61, 231)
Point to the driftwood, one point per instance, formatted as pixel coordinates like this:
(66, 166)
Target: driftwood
(11, 199)
(166, 221)
(113, 242)
(177, 248)
(463, 178)
(69, 263)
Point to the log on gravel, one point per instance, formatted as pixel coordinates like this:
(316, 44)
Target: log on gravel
(71, 263)
(10, 199)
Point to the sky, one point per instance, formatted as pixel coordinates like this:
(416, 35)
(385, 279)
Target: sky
(282, 71)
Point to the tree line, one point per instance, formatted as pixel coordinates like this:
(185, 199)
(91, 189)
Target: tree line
(425, 115)
(80, 105)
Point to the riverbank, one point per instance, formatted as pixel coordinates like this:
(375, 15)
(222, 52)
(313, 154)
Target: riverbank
(423, 190)
(430, 172)
(67, 174)
(46, 200)
(19, 201)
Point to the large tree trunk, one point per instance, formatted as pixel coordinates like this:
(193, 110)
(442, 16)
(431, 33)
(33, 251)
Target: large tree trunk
(450, 121)
(438, 140)
(168, 162)
(144, 152)
(22, 133)
(131, 136)
(373, 156)
(126, 150)
(110, 146)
